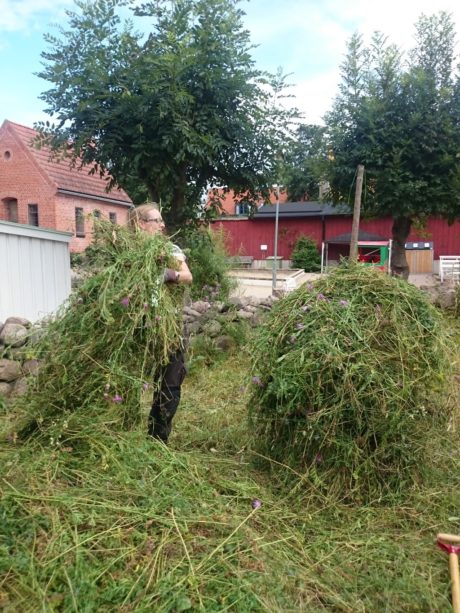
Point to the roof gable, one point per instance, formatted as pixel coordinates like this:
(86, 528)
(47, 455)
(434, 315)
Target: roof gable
(68, 180)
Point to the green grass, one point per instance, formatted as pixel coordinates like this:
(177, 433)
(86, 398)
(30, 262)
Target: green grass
(126, 524)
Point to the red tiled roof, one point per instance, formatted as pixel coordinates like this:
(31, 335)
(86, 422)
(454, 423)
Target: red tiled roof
(65, 177)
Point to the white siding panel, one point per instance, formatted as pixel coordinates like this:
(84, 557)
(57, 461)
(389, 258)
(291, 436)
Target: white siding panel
(34, 271)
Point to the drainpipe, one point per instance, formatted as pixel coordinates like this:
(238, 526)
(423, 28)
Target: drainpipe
(275, 254)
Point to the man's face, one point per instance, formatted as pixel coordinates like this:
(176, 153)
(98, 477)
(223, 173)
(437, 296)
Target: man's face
(152, 222)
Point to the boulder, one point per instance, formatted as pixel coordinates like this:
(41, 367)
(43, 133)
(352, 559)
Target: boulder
(13, 335)
(212, 328)
(30, 367)
(10, 370)
(201, 306)
(243, 314)
(22, 321)
(20, 387)
(5, 389)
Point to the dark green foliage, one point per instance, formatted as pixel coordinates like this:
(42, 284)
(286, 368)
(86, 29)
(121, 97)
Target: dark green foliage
(305, 254)
(208, 261)
(109, 342)
(304, 163)
(345, 381)
(401, 120)
(167, 102)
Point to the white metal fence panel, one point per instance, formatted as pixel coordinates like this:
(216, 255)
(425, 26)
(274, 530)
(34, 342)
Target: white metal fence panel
(34, 271)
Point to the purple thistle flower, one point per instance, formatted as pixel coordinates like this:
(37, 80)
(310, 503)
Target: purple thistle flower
(146, 305)
(256, 503)
(117, 399)
(344, 303)
(157, 317)
(309, 285)
(145, 386)
(321, 297)
(125, 301)
(256, 381)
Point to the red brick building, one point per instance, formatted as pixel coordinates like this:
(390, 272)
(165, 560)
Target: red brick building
(37, 191)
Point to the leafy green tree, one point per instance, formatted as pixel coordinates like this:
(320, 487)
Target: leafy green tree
(303, 163)
(174, 108)
(401, 120)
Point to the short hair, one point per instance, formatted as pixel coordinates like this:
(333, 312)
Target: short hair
(138, 213)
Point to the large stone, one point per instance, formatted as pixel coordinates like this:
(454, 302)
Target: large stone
(13, 335)
(22, 321)
(242, 314)
(10, 370)
(189, 311)
(212, 328)
(5, 389)
(201, 306)
(19, 387)
(31, 367)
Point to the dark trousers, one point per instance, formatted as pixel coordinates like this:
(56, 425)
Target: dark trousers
(166, 401)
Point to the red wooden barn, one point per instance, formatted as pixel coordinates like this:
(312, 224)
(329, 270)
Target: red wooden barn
(256, 236)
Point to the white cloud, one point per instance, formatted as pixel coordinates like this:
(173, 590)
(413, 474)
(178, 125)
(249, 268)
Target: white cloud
(16, 15)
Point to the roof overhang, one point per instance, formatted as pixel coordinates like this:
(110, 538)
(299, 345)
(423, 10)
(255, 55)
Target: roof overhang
(69, 192)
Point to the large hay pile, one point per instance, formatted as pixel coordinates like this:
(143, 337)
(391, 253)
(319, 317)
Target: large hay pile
(348, 379)
(109, 342)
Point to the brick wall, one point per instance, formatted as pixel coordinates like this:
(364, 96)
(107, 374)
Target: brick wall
(65, 217)
(21, 179)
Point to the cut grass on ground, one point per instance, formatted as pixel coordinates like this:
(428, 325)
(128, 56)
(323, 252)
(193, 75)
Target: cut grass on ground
(132, 525)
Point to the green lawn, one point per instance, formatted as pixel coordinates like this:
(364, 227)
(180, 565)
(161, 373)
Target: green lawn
(125, 524)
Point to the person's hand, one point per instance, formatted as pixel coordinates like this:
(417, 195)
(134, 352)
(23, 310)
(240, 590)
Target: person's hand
(170, 275)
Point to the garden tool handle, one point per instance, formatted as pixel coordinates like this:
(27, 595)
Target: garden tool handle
(448, 538)
(453, 566)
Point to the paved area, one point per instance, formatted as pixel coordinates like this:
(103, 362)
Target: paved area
(257, 283)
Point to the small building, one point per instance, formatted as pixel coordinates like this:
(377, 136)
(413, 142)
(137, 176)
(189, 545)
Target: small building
(42, 192)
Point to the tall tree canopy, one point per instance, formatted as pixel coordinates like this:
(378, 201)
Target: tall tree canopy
(174, 107)
(303, 162)
(402, 121)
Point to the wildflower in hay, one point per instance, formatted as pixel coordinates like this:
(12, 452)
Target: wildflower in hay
(117, 399)
(321, 297)
(257, 381)
(146, 305)
(145, 386)
(157, 317)
(310, 286)
(305, 308)
(300, 326)
(256, 503)
(319, 458)
(344, 303)
(125, 301)
(292, 339)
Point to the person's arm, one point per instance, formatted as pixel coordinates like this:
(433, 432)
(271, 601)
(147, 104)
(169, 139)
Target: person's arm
(183, 275)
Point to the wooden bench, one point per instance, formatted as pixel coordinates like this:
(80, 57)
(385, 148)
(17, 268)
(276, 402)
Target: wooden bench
(242, 261)
(449, 267)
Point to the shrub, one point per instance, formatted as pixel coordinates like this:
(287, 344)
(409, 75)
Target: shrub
(208, 260)
(348, 377)
(305, 254)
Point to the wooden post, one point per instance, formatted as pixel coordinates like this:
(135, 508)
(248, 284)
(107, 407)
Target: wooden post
(356, 214)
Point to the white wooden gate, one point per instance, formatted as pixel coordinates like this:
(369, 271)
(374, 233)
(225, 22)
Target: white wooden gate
(34, 270)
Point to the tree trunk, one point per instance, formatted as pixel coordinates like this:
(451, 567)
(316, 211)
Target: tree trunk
(401, 229)
(175, 217)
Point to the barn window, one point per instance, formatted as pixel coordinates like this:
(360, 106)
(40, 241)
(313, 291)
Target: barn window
(11, 205)
(113, 217)
(243, 208)
(79, 222)
(33, 214)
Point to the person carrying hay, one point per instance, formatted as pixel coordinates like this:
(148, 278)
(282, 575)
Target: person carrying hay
(147, 218)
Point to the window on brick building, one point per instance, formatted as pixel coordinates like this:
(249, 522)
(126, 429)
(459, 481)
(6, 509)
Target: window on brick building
(11, 206)
(243, 208)
(97, 214)
(113, 217)
(79, 222)
(33, 214)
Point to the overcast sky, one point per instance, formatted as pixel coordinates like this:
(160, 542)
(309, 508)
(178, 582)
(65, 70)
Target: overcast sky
(307, 38)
